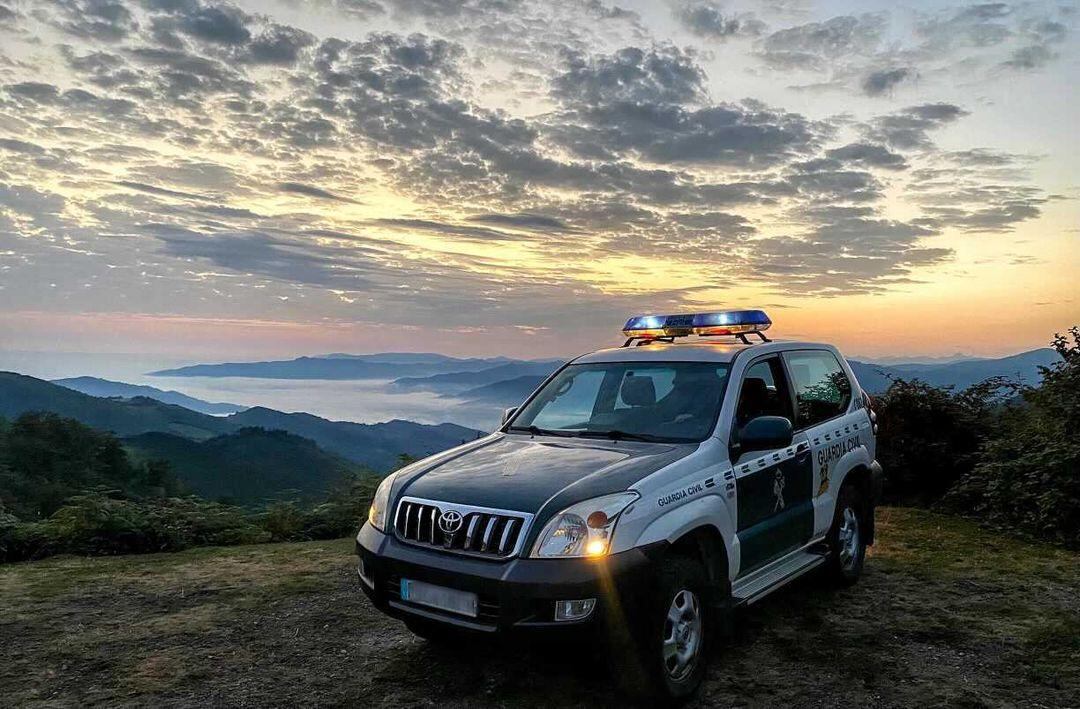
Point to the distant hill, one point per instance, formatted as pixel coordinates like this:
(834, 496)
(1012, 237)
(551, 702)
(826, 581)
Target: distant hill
(460, 381)
(250, 466)
(388, 366)
(375, 445)
(110, 389)
(509, 392)
(875, 378)
(407, 357)
(124, 417)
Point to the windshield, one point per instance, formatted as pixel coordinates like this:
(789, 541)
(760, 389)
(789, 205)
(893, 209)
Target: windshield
(655, 401)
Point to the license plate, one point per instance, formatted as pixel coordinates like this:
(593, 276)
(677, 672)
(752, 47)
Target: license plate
(445, 599)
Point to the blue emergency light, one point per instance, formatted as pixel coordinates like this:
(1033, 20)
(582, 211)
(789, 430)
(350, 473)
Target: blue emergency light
(722, 322)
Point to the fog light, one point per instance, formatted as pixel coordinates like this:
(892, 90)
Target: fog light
(574, 610)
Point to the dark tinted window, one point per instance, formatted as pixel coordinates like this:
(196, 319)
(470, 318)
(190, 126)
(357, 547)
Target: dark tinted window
(763, 392)
(822, 390)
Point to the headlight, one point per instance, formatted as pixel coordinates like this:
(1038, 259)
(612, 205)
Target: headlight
(377, 514)
(584, 529)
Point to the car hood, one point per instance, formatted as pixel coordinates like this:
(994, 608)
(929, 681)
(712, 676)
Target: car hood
(539, 474)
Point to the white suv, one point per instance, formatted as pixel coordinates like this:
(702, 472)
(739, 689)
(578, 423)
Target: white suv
(645, 490)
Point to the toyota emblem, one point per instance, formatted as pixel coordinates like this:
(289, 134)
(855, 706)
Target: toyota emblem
(450, 521)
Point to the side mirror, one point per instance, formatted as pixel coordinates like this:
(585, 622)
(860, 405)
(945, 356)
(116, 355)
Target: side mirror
(765, 433)
(507, 414)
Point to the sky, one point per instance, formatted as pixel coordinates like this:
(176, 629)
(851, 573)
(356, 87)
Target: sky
(248, 180)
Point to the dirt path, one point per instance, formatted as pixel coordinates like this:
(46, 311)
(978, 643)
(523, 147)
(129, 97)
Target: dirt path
(946, 615)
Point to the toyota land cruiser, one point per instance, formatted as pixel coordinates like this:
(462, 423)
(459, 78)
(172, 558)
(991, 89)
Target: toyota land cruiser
(646, 490)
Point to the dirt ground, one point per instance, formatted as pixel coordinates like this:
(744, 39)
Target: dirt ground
(946, 615)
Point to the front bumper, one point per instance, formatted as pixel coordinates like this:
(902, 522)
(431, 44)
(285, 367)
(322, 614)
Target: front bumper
(514, 594)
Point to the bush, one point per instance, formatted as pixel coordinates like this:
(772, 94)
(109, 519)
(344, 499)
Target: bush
(345, 509)
(100, 524)
(1027, 477)
(104, 522)
(929, 437)
(284, 521)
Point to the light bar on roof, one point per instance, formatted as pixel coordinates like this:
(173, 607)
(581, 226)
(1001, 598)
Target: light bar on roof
(723, 322)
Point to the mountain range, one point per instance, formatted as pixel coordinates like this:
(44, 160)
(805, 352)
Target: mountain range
(509, 384)
(110, 389)
(340, 366)
(1023, 367)
(374, 446)
(448, 382)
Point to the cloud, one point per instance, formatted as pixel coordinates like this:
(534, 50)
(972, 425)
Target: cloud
(814, 44)
(653, 105)
(160, 191)
(430, 225)
(312, 191)
(706, 19)
(565, 129)
(279, 45)
(524, 220)
(978, 208)
(21, 146)
(884, 81)
(664, 75)
(909, 128)
(977, 25)
(224, 24)
(105, 20)
(868, 155)
(1032, 57)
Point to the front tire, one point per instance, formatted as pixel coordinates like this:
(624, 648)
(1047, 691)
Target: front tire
(847, 537)
(670, 648)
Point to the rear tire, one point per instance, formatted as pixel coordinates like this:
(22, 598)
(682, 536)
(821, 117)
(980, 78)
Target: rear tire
(667, 657)
(847, 537)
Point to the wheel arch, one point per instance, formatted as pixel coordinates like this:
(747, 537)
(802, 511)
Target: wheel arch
(861, 478)
(705, 543)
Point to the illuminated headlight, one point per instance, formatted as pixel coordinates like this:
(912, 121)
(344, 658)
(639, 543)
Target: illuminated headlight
(377, 513)
(585, 529)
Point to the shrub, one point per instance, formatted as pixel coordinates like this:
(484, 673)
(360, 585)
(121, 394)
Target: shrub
(284, 521)
(1027, 476)
(99, 523)
(929, 437)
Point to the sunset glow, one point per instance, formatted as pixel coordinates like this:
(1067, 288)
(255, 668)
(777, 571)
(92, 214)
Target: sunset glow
(267, 179)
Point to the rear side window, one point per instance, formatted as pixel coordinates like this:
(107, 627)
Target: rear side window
(822, 390)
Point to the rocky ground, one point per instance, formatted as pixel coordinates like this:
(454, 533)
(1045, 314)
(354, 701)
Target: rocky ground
(947, 614)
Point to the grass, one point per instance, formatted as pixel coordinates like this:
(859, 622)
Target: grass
(946, 614)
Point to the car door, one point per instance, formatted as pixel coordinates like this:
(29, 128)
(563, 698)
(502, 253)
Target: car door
(774, 488)
(823, 395)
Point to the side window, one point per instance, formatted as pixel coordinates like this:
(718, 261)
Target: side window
(763, 392)
(822, 390)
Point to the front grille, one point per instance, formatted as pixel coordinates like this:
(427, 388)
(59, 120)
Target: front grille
(482, 532)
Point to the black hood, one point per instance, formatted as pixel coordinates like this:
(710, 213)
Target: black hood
(521, 472)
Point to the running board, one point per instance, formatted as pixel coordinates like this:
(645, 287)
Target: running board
(760, 583)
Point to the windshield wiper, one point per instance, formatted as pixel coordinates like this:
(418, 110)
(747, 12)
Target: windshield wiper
(537, 431)
(617, 435)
